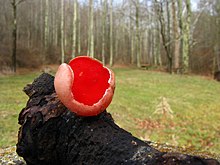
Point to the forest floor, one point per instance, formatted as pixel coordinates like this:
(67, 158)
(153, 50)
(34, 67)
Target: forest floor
(188, 107)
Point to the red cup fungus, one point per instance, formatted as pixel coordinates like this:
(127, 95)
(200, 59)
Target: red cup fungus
(85, 86)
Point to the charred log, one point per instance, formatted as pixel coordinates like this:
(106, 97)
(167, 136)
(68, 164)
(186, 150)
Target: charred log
(51, 134)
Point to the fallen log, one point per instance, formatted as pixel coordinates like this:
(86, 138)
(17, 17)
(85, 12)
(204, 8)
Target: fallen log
(51, 134)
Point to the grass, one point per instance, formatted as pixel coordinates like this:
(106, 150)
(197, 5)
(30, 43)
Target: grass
(194, 100)
(12, 100)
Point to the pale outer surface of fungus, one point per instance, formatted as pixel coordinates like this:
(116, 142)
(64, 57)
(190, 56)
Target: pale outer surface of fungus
(64, 79)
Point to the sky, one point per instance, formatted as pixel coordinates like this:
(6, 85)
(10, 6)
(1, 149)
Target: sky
(194, 4)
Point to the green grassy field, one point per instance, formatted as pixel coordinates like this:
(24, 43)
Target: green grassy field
(12, 100)
(194, 100)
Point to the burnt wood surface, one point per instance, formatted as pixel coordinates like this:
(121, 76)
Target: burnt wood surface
(52, 135)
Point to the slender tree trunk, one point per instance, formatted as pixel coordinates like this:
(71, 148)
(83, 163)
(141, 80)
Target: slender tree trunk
(176, 45)
(150, 49)
(216, 59)
(14, 4)
(116, 44)
(185, 34)
(66, 36)
(41, 26)
(155, 47)
(62, 31)
(104, 4)
(138, 34)
(79, 29)
(158, 49)
(89, 36)
(74, 29)
(146, 47)
(163, 34)
(168, 42)
(132, 47)
(131, 36)
(29, 31)
(36, 17)
(14, 36)
(91, 29)
(186, 37)
(180, 15)
(140, 48)
(111, 34)
(216, 55)
(46, 25)
(181, 24)
(151, 42)
(217, 52)
(55, 25)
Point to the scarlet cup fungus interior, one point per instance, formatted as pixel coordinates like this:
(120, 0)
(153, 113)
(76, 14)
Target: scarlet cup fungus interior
(90, 80)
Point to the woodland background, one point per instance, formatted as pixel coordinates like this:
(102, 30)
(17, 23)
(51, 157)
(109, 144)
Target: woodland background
(177, 35)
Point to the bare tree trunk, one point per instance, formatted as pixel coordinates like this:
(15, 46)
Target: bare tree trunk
(131, 36)
(165, 41)
(186, 37)
(146, 47)
(132, 47)
(104, 4)
(14, 36)
(14, 4)
(152, 43)
(217, 54)
(180, 15)
(66, 36)
(216, 59)
(29, 31)
(91, 29)
(74, 29)
(116, 43)
(62, 31)
(185, 33)
(159, 59)
(89, 36)
(111, 34)
(176, 45)
(36, 18)
(55, 25)
(150, 49)
(41, 27)
(46, 26)
(155, 47)
(168, 42)
(79, 29)
(138, 34)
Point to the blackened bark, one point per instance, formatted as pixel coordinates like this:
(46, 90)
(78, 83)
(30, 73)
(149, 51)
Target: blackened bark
(51, 134)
